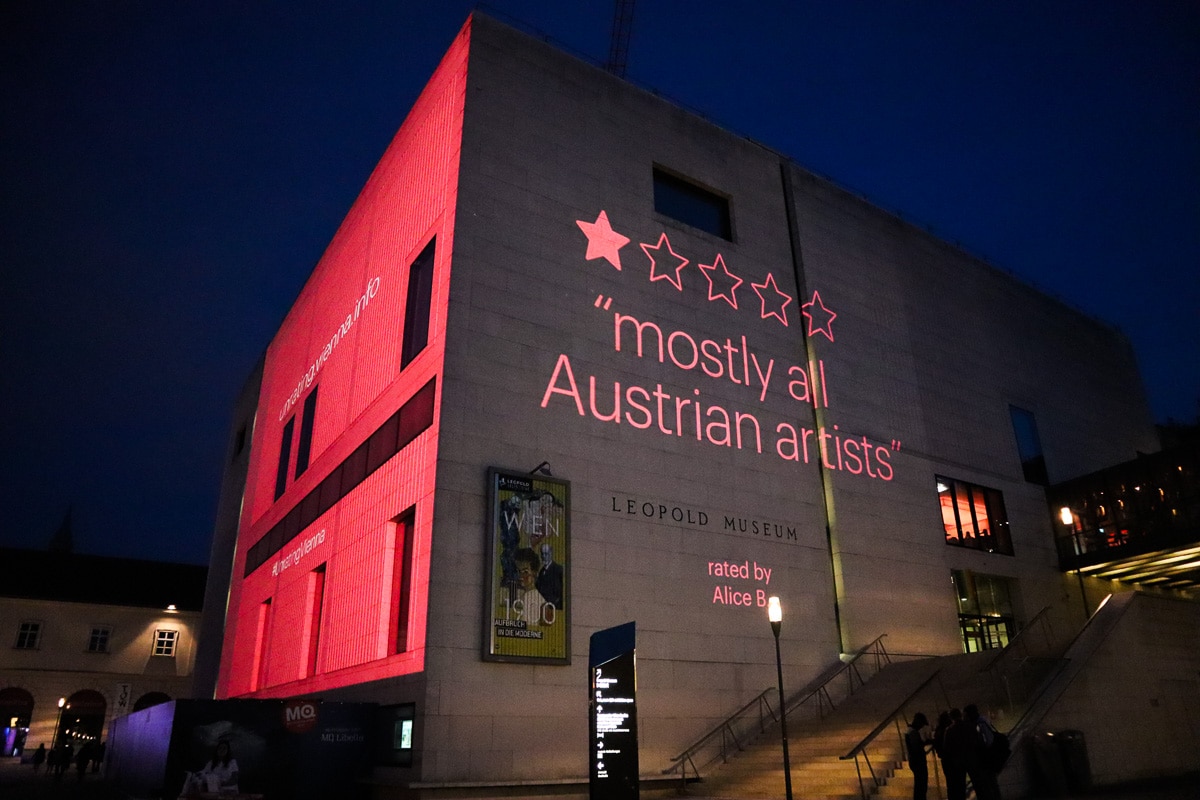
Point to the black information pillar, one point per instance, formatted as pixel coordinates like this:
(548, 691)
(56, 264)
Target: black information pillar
(613, 760)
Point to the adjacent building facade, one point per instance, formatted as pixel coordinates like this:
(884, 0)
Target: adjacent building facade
(577, 358)
(106, 636)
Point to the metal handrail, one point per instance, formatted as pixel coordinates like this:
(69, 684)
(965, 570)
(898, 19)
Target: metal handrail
(893, 717)
(1021, 638)
(725, 728)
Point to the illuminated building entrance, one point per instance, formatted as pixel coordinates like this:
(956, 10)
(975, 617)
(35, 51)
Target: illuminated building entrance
(985, 611)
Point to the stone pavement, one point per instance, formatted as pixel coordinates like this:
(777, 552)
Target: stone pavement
(17, 782)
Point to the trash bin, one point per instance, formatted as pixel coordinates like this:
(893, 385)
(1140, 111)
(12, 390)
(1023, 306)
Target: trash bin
(1078, 771)
(1051, 776)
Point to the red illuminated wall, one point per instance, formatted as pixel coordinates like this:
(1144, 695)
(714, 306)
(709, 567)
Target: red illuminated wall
(343, 335)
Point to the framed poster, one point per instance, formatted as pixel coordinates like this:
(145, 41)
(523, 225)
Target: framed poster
(527, 614)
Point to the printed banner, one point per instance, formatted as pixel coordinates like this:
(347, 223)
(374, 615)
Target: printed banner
(528, 606)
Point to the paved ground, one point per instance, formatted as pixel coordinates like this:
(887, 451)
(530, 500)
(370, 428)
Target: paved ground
(18, 782)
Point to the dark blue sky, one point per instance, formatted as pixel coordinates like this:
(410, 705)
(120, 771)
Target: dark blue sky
(171, 172)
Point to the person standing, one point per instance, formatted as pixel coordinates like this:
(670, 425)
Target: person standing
(39, 757)
(914, 743)
(983, 777)
(957, 747)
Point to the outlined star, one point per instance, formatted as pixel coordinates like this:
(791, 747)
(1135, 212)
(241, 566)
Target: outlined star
(665, 274)
(603, 241)
(725, 279)
(819, 317)
(773, 299)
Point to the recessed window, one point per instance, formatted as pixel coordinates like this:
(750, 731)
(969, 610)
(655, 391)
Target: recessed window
(304, 447)
(285, 454)
(974, 516)
(164, 642)
(416, 306)
(98, 641)
(692, 205)
(1029, 446)
(29, 635)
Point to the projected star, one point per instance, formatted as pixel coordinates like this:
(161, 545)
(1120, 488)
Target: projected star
(819, 317)
(773, 301)
(667, 272)
(721, 282)
(603, 241)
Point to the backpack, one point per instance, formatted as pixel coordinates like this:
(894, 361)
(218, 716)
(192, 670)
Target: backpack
(999, 751)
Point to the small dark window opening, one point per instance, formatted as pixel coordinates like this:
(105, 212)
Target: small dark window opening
(690, 204)
(1029, 446)
(416, 306)
(239, 443)
(304, 446)
(285, 454)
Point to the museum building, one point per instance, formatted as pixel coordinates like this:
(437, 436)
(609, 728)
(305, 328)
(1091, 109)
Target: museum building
(577, 357)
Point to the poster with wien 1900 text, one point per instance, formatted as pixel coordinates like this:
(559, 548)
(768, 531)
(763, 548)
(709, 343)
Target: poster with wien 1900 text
(528, 561)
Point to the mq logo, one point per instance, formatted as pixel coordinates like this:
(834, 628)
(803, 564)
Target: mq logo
(300, 716)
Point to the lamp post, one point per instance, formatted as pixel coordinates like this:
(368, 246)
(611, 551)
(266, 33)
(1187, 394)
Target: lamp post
(62, 701)
(775, 615)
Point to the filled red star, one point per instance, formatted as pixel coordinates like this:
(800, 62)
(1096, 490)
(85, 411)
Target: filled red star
(726, 280)
(819, 317)
(771, 297)
(670, 274)
(603, 241)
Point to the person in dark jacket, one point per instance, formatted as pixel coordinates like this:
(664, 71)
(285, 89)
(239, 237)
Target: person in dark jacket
(914, 743)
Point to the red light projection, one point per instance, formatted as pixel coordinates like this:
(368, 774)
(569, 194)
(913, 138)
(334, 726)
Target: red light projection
(603, 241)
(726, 280)
(337, 591)
(726, 593)
(774, 302)
(665, 271)
(740, 361)
(820, 319)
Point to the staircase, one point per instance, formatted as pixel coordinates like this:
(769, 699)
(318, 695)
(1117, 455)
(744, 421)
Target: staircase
(852, 748)
(816, 746)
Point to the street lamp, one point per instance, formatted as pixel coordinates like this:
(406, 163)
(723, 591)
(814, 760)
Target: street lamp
(62, 701)
(775, 615)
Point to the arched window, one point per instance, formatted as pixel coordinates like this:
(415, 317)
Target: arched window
(151, 699)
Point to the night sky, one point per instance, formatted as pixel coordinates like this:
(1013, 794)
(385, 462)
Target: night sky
(171, 172)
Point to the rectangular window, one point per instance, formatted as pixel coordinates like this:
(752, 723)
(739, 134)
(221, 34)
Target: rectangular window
(416, 306)
(1029, 446)
(693, 205)
(29, 635)
(285, 455)
(164, 642)
(316, 603)
(402, 539)
(304, 446)
(258, 672)
(98, 641)
(974, 516)
(391, 437)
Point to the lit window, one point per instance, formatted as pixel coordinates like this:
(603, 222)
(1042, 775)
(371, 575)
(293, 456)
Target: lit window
(692, 205)
(98, 641)
(164, 642)
(29, 635)
(974, 516)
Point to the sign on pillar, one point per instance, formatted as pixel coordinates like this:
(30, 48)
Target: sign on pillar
(613, 759)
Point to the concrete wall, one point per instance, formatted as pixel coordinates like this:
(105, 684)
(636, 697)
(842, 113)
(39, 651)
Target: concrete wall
(1137, 699)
